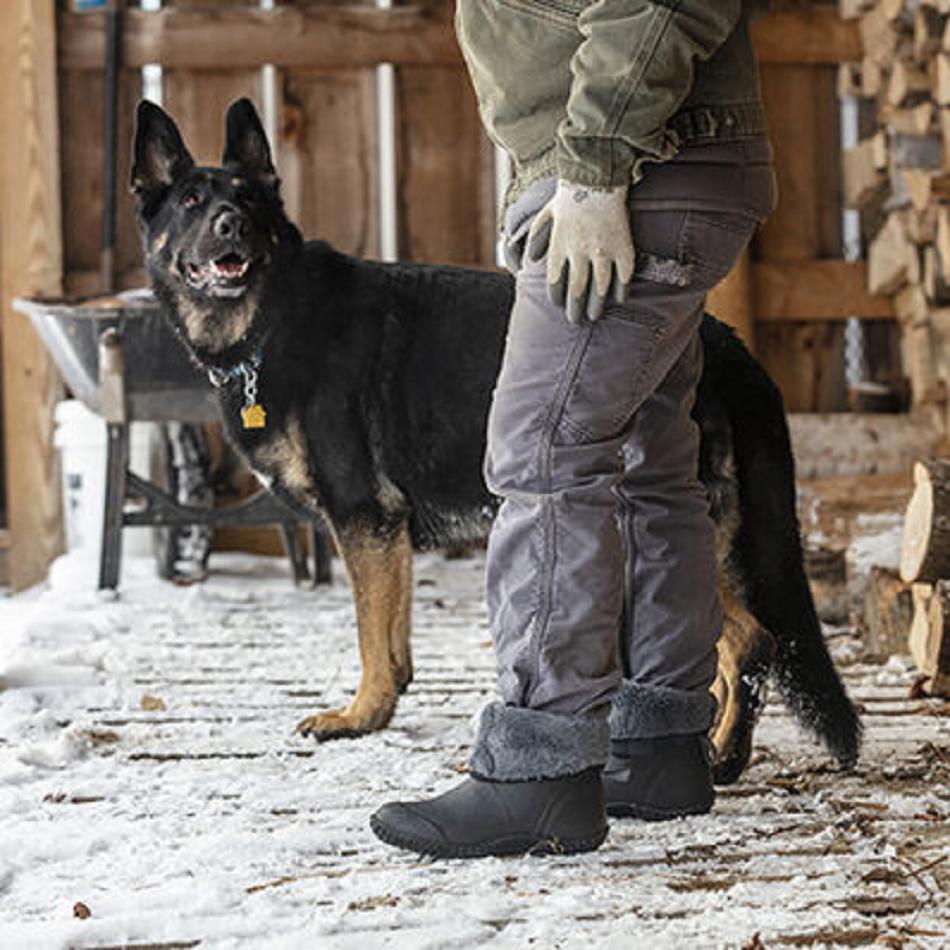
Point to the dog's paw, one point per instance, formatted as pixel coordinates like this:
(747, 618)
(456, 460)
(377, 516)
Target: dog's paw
(339, 724)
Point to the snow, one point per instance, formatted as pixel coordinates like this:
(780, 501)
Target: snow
(200, 816)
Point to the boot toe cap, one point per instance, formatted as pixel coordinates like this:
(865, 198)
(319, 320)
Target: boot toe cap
(400, 824)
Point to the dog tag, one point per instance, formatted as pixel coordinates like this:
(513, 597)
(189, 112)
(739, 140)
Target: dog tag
(253, 417)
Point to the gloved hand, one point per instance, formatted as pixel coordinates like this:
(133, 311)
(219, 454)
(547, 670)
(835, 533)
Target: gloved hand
(585, 233)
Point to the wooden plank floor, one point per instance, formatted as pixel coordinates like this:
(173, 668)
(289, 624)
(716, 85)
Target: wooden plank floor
(149, 770)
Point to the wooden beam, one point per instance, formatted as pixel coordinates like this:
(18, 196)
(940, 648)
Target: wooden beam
(815, 290)
(356, 36)
(808, 35)
(31, 264)
(325, 37)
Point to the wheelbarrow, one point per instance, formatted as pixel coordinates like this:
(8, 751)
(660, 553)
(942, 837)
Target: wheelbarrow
(120, 357)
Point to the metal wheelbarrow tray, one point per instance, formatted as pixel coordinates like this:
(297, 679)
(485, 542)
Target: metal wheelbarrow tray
(121, 358)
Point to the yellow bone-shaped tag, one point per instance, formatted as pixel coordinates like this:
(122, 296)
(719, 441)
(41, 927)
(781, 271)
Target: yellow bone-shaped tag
(253, 417)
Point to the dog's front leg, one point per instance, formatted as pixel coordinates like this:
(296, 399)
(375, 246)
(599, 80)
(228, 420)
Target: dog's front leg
(380, 570)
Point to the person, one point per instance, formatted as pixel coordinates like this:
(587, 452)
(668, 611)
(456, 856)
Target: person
(641, 168)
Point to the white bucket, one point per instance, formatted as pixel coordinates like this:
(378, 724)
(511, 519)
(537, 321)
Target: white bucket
(81, 439)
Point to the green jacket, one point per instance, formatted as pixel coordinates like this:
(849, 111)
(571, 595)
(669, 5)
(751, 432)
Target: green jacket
(589, 90)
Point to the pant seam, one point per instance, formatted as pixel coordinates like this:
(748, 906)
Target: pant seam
(548, 527)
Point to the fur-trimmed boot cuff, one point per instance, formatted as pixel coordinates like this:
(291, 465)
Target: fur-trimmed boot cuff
(640, 711)
(515, 744)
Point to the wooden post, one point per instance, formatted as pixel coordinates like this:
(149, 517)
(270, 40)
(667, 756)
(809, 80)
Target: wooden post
(31, 264)
(805, 358)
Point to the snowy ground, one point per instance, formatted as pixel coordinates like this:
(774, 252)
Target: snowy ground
(148, 771)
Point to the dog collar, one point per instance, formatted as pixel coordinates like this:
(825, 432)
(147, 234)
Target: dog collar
(253, 415)
(219, 377)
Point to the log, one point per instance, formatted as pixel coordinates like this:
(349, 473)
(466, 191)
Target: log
(928, 31)
(941, 79)
(893, 10)
(872, 77)
(850, 80)
(916, 151)
(926, 187)
(887, 613)
(888, 258)
(910, 305)
(921, 226)
(864, 170)
(943, 238)
(852, 9)
(916, 120)
(940, 340)
(944, 122)
(878, 37)
(925, 543)
(935, 285)
(929, 639)
(919, 358)
(909, 85)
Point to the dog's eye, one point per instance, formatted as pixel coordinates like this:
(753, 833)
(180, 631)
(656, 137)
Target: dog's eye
(191, 199)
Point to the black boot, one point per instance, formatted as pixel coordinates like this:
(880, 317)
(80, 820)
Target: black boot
(658, 779)
(480, 817)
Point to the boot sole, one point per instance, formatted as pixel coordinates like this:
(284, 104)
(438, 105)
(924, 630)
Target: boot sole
(497, 847)
(646, 813)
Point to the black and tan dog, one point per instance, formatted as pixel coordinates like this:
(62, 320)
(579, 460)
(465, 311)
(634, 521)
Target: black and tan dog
(358, 391)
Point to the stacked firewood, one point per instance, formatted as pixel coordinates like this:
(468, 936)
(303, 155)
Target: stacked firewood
(899, 173)
(925, 566)
(909, 610)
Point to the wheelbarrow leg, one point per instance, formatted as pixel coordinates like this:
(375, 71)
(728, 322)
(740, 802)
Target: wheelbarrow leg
(322, 555)
(115, 412)
(117, 463)
(322, 572)
(296, 553)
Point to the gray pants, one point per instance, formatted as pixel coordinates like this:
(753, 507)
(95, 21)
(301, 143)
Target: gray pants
(593, 451)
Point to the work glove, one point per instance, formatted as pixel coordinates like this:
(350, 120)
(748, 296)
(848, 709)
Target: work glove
(585, 233)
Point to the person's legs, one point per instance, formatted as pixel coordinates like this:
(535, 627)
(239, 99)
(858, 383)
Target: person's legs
(672, 617)
(662, 713)
(565, 403)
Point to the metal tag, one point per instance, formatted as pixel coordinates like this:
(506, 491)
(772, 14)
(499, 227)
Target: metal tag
(253, 416)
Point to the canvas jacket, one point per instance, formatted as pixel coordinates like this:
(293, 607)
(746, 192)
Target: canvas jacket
(590, 90)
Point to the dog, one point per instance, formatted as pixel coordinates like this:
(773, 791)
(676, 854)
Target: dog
(358, 392)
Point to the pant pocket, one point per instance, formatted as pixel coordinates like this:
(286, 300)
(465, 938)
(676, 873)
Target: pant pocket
(713, 242)
(607, 386)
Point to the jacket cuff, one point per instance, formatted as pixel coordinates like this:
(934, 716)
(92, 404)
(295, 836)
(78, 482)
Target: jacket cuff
(516, 744)
(596, 162)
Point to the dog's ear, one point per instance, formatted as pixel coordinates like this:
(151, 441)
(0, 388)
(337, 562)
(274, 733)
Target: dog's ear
(159, 155)
(246, 143)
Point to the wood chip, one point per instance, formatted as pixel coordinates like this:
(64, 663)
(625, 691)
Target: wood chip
(153, 703)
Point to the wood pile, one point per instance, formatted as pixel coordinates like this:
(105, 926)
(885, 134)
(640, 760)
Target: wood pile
(898, 175)
(909, 610)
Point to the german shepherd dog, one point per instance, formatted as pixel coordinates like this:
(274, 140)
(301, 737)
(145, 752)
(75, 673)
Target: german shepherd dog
(358, 391)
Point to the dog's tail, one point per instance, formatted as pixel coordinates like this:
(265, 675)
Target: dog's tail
(767, 550)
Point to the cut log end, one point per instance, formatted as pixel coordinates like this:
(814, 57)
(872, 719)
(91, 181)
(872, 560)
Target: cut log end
(925, 543)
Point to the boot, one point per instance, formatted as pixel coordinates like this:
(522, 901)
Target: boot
(660, 778)
(480, 817)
